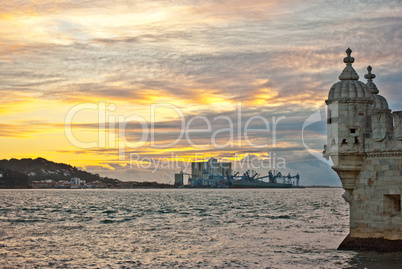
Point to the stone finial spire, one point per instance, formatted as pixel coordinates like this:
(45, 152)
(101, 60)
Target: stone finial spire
(370, 84)
(348, 60)
(349, 72)
(369, 76)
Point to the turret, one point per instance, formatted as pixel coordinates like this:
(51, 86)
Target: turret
(381, 117)
(367, 153)
(348, 124)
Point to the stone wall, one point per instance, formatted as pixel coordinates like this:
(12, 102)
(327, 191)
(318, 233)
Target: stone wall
(375, 211)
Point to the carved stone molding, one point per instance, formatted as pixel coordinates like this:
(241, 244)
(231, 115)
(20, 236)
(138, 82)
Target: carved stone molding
(384, 154)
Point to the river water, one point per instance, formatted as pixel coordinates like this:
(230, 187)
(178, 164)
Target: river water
(186, 228)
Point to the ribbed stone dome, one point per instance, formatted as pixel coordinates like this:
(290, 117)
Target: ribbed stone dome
(379, 102)
(348, 89)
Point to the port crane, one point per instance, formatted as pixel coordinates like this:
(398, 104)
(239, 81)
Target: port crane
(288, 179)
(273, 177)
(208, 177)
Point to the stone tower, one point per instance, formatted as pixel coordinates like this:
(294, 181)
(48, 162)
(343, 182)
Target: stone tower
(364, 141)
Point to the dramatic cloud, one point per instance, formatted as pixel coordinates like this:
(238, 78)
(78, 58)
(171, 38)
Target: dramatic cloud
(276, 58)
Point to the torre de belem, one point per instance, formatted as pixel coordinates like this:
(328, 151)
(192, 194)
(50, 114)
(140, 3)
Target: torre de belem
(364, 142)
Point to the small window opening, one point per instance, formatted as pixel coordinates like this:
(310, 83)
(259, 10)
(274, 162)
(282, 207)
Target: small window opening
(329, 121)
(352, 131)
(392, 204)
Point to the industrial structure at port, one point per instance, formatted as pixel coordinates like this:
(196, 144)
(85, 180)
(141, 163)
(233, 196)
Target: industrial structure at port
(214, 174)
(364, 141)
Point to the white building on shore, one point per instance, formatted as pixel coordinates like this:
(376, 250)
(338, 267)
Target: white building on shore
(75, 181)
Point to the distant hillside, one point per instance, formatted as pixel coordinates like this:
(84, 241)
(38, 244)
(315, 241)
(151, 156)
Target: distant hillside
(40, 169)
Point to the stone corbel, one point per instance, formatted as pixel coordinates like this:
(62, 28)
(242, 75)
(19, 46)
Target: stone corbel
(348, 197)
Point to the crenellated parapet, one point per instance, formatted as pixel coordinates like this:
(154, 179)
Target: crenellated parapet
(397, 115)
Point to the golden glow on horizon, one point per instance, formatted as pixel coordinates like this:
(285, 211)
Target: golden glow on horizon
(49, 137)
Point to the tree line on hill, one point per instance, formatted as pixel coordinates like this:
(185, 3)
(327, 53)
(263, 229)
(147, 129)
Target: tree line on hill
(13, 180)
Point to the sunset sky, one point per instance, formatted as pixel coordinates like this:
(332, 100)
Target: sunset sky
(204, 58)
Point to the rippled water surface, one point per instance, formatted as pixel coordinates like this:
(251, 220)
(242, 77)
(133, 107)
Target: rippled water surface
(266, 228)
